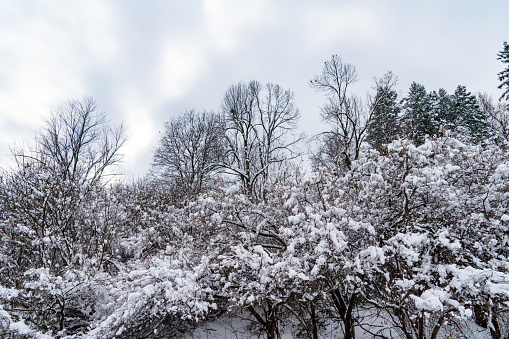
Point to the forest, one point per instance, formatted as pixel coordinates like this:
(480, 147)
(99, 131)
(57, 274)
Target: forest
(396, 225)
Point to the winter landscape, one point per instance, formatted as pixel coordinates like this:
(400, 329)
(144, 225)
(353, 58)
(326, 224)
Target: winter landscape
(391, 222)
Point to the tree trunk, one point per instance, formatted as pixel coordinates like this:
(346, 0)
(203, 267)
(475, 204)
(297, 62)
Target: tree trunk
(496, 332)
(481, 315)
(402, 319)
(420, 326)
(269, 321)
(437, 327)
(349, 325)
(314, 326)
(345, 313)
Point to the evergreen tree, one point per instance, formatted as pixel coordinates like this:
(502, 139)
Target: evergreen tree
(503, 76)
(440, 105)
(417, 119)
(384, 125)
(466, 116)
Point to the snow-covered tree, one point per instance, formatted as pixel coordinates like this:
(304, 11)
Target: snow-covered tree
(259, 122)
(466, 116)
(441, 250)
(503, 76)
(441, 106)
(384, 126)
(57, 218)
(347, 115)
(497, 113)
(417, 116)
(188, 153)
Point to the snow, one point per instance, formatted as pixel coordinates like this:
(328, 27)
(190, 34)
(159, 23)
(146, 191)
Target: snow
(421, 228)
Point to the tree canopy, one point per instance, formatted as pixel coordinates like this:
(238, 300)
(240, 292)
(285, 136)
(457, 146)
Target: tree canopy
(398, 228)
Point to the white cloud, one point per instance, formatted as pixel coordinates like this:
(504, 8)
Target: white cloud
(323, 26)
(46, 48)
(180, 64)
(146, 61)
(140, 125)
(227, 21)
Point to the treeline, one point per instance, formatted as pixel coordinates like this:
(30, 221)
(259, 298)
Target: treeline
(401, 228)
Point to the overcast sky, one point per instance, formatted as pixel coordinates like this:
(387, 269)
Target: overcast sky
(146, 61)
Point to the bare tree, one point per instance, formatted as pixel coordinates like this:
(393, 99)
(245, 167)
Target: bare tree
(53, 182)
(57, 213)
(78, 143)
(497, 113)
(342, 112)
(189, 151)
(346, 113)
(259, 125)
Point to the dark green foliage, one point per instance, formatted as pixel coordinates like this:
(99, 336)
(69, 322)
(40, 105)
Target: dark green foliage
(503, 76)
(441, 105)
(417, 119)
(384, 125)
(466, 116)
(431, 114)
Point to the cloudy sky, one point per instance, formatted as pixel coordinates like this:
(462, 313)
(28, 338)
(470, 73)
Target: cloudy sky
(146, 61)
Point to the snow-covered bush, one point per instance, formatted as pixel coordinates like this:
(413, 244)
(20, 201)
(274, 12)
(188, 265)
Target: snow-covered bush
(441, 255)
(409, 242)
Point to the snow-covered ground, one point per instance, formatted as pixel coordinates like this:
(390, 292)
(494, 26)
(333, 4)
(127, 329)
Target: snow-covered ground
(238, 328)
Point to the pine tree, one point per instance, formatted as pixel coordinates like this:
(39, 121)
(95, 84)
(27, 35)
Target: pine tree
(440, 105)
(384, 125)
(466, 115)
(417, 119)
(503, 76)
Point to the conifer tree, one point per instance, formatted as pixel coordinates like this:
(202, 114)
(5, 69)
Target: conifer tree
(417, 119)
(440, 109)
(384, 125)
(466, 116)
(503, 76)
